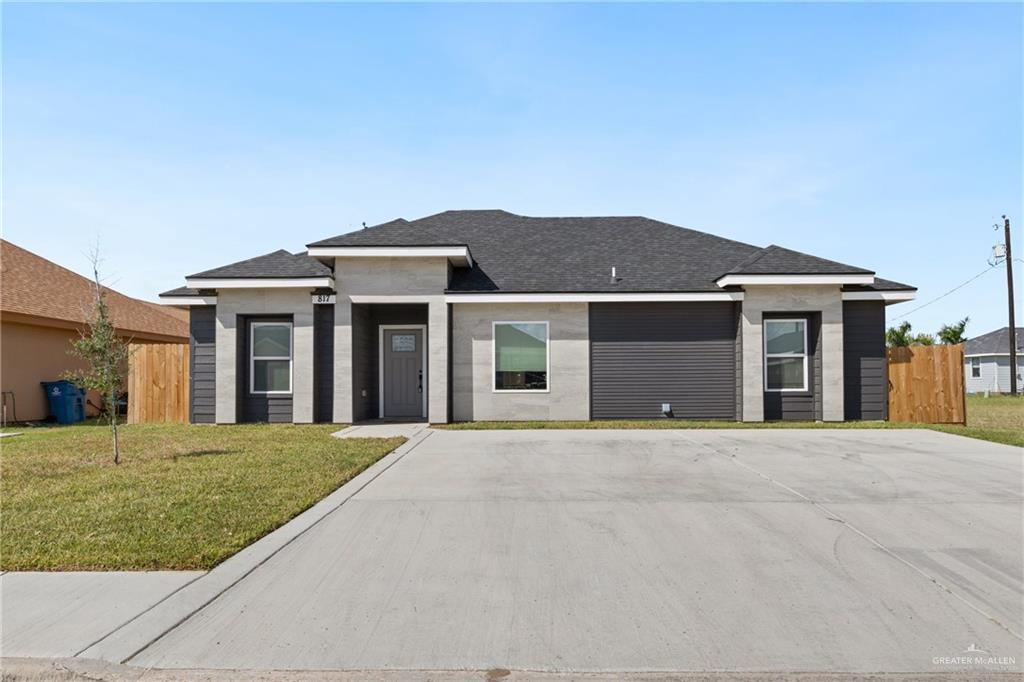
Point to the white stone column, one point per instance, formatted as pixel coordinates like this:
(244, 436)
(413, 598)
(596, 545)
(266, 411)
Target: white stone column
(437, 361)
(753, 362)
(302, 364)
(342, 359)
(225, 370)
(833, 407)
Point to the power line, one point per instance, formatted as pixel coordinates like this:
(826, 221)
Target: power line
(939, 298)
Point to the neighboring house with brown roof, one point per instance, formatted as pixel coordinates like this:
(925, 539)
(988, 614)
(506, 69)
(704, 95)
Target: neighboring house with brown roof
(42, 309)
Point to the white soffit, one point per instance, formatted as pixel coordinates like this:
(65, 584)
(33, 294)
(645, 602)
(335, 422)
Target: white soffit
(594, 297)
(261, 283)
(740, 280)
(391, 298)
(459, 255)
(188, 300)
(887, 296)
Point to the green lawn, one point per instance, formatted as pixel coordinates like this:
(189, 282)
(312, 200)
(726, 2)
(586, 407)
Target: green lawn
(999, 419)
(184, 497)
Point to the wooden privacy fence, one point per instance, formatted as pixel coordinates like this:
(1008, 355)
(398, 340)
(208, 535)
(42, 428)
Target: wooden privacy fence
(158, 382)
(926, 384)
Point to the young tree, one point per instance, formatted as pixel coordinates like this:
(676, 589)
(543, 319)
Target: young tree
(953, 333)
(105, 353)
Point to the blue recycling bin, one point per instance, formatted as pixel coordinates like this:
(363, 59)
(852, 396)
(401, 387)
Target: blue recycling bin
(67, 401)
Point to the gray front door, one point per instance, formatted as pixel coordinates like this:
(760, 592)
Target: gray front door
(403, 373)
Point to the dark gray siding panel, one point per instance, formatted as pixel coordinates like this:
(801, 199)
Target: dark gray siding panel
(364, 364)
(865, 372)
(258, 408)
(646, 354)
(323, 363)
(817, 359)
(801, 405)
(738, 314)
(202, 338)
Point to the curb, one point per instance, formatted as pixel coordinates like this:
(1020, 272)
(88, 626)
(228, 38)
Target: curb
(132, 637)
(78, 670)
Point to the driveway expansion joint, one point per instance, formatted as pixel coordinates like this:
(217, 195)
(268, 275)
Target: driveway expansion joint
(132, 619)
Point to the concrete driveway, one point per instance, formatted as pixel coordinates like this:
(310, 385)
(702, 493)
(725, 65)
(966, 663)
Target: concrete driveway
(764, 550)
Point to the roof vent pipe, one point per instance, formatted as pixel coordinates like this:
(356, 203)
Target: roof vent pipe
(615, 278)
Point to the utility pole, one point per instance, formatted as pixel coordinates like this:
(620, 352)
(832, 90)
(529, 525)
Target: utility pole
(1009, 296)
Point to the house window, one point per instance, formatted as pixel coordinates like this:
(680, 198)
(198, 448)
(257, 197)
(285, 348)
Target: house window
(785, 355)
(270, 357)
(976, 367)
(521, 356)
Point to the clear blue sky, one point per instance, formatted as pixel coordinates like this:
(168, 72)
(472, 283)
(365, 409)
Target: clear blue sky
(188, 136)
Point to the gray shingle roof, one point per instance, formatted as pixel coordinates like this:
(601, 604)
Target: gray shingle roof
(399, 232)
(993, 343)
(279, 264)
(880, 285)
(520, 254)
(775, 260)
(181, 291)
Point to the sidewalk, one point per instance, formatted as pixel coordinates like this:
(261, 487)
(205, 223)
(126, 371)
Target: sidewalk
(53, 615)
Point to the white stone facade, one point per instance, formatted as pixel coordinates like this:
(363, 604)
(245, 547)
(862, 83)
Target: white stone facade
(392, 280)
(758, 300)
(568, 395)
(234, 302)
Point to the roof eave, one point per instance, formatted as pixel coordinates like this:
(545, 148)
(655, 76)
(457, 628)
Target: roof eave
(787, 279)
(260, 282)
(591, 296)
(887, 297)
(458, 254)
(186, 300)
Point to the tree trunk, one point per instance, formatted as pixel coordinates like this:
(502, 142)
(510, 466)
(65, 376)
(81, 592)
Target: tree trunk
(113, 428)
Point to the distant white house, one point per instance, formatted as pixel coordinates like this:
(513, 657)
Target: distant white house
(987, 362)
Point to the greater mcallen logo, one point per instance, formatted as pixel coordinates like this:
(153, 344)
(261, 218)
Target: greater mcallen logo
(975, 655)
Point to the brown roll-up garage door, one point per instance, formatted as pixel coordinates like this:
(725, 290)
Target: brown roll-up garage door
(645, 354)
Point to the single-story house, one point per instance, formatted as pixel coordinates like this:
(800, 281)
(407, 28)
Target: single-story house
(43, 308)
(486, 315)
(987, 362)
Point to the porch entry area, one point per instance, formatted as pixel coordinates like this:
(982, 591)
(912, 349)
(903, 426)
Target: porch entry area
(389, 361)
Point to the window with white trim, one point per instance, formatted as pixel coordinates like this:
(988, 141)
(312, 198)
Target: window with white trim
(976, 367)
(785, 355)
(521, 356)
(270, 357)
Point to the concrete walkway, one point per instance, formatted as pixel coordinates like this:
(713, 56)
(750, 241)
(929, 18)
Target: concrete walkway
(610, 551)
(382, 430)
(62, 614)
